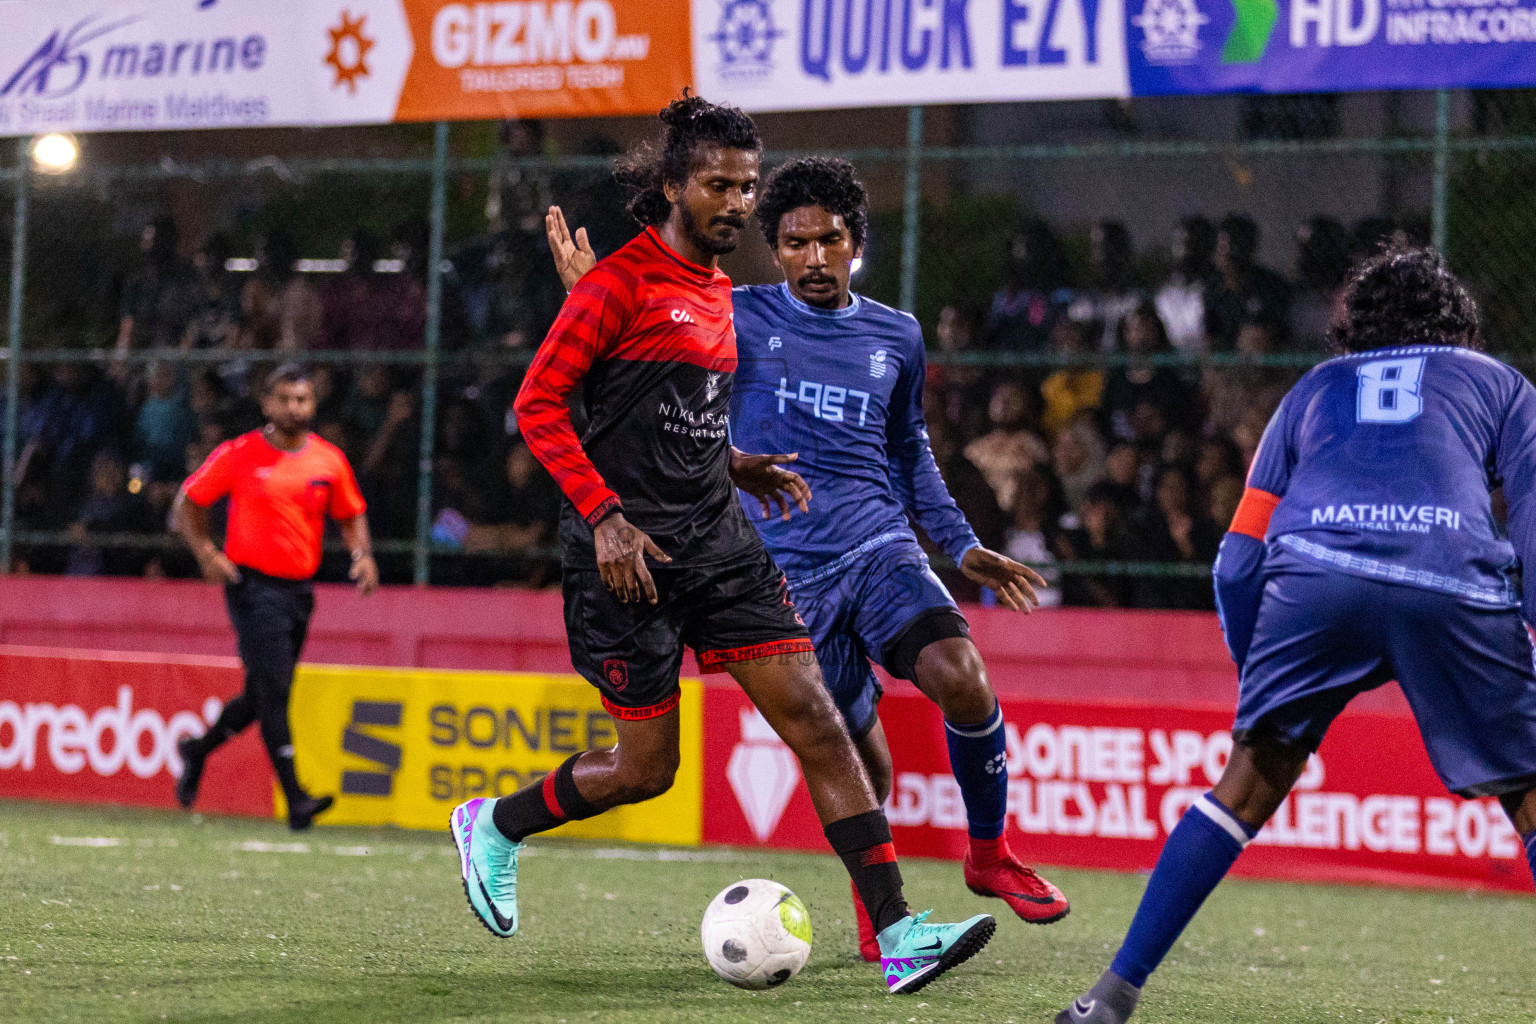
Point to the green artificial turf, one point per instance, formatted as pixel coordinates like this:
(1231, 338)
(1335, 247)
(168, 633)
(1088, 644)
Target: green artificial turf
(119, 915)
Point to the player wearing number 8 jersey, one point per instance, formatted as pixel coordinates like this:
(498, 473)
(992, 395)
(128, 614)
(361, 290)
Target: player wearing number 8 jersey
(1366, 549)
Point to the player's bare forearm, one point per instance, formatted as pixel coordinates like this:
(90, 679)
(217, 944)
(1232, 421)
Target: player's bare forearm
(365, 571)
(765, 478)
(1014, 583)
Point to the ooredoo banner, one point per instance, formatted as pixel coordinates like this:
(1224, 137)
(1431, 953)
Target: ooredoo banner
(1102, 785)
(85, 65)
(102, 728)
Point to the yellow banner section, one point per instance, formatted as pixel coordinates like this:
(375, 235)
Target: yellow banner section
(404, 746)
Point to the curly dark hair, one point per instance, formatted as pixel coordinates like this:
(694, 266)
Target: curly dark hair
(1403, 297)
(692, 124)
(814, 181)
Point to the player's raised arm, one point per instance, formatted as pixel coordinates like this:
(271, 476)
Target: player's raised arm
(592, 317)
(1238, 574)
(916, 480)
(572, 253)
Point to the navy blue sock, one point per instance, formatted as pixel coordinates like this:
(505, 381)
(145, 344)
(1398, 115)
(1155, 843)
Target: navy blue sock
(978, 756)
(1199, 852)
(1530, 850)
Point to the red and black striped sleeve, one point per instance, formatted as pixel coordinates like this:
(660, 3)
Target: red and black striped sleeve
(589, 325)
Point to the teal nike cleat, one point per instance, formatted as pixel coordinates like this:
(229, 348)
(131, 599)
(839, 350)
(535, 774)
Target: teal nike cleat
(488, 861)
(914, 953)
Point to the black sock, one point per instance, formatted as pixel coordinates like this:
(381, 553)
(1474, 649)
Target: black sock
(237, 714)
(864, 844)
(540, 807)
(287, 777)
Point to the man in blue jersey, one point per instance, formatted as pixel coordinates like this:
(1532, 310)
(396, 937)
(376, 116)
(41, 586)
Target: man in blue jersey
(1366, 549)
(838, 378)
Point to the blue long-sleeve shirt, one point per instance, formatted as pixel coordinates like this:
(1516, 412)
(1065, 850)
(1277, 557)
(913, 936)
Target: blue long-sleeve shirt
(844, 388)
(1379, 464)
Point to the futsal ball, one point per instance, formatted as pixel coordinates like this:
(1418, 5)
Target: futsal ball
(757, 934)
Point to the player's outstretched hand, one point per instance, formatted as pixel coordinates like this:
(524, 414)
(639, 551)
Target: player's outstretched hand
(765, 478)
(621, 551)
(573, 254)
(1012, 582)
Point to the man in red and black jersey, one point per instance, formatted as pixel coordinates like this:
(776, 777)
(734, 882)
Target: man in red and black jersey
(658, 552)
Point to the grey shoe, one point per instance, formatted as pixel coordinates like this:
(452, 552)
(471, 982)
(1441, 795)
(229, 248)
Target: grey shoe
(1112, 1000)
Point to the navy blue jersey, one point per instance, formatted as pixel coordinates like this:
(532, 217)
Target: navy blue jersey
(1383, 462)
(844, 388)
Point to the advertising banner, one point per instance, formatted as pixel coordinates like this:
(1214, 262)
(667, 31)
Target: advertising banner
(102, 729)
(1102, 785)
(1209, 46)
(815, 54)
(404, 746)
(89, 65)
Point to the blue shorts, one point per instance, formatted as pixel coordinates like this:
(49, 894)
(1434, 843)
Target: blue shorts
(1323, 636)
(862, 608)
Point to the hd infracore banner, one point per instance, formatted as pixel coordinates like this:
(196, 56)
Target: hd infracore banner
(1206, 46)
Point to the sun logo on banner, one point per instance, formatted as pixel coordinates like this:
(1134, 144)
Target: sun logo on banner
(349, 52)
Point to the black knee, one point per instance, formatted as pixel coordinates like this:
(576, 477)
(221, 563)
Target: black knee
(1259, 775)
(816, 726)
(1521, 808)
(640, 782)
(951, 673)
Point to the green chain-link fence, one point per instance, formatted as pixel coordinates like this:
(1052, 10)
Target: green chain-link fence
(992, 224)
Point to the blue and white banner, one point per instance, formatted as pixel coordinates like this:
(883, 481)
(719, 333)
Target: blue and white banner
(132, 65)
(809, 54)
(1208, 46)
(121, 65)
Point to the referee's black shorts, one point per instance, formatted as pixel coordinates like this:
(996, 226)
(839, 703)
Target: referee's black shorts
(633, 652)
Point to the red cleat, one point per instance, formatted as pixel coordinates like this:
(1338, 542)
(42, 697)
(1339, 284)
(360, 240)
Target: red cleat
(991, 869)
(869, 946)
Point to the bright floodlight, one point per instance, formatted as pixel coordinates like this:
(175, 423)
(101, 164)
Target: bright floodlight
(55, 154)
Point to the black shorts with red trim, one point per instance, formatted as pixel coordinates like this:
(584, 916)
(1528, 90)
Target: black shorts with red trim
(633, 652)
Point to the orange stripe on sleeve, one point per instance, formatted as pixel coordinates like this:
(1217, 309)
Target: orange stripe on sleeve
(1253, 512)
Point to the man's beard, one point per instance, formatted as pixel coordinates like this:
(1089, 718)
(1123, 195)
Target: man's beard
(697, 235)
(293, 427)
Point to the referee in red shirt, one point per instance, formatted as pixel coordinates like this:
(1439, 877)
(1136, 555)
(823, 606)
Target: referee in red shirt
(281, 481)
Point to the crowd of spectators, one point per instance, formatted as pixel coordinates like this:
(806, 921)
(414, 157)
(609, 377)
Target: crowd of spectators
(1131, 459)
(1087, 460)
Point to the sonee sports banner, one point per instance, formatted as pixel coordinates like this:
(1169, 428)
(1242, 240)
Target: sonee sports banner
(1091, 784)
(122, 65)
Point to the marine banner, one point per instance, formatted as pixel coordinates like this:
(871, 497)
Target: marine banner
(404, 746)
(95, 65)
(1101, 785)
